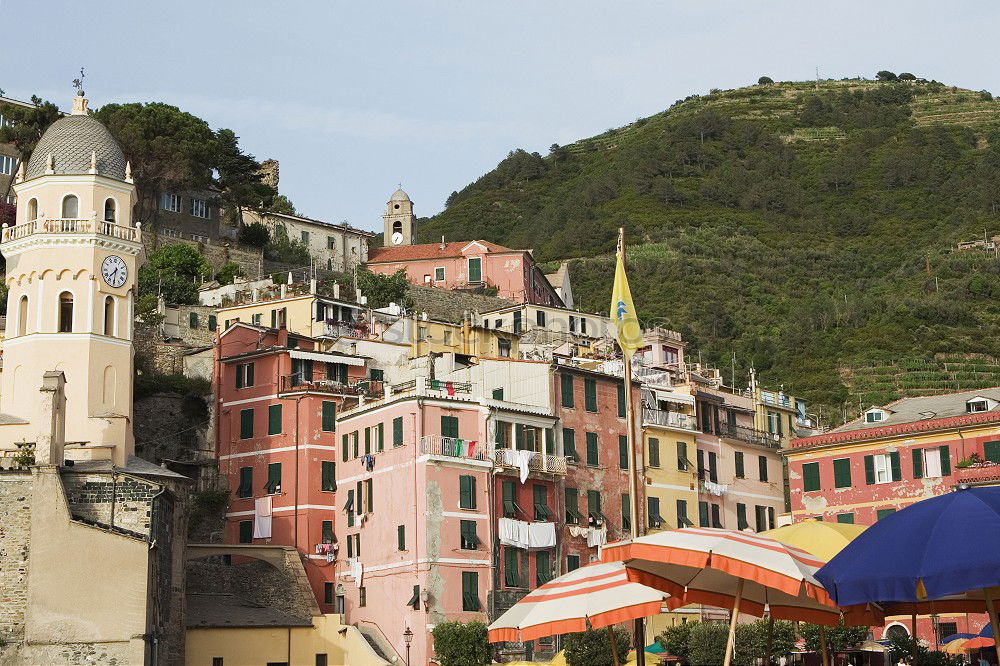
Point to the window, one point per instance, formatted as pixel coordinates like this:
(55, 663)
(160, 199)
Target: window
(244, 375)
(682, 514)
(566, 389)
(110, 210)
(321, 659)
(653, 445)
(362, 597)
(810, 476)
(682, 457)
(594, 505)
(882, 513)
(774, 423)
(331, 242)
(874, 416)
(397, 431)
(509, 495)
(475, 269)
(503, 344)
(653, 512)
(273, 485)
(66, 312)
(218, 661)
(623, 451)
(741, 517)
(193, 320)
(109, 315)
(946, 629)
(592, 449)
(991, 451)
(511, 569)
(573, 516)
(329, 476)
(274, 420)
(414, 601)
(349, 508)
(449, 426)
(346, 447)
(842, 473)
(199, 208)
(517, 321)
(466, 492)
(583, 325)
(572, 324)
(762, 467)
(246, 423)
(882, 468)
(304, 236)
(770, 517)
(369, 496)
(329, 416)
(974, 406)
(621, 400)
(22, 316)
(401, 537)
(246, 531)
(70, 207)
(740, 469)
(469, 540)
(540, 317)
(590, 394)
(7, 162)
(470, 591)
(760, 516)
(845, 518)
(245, 489)
(703, 520)
(543, 567)
(931, 463)
(170, 202)
(572, 563)
(713, 469)
(540, 502)
(439, 274)
(716, 519)
(213, 322)
(326, 531)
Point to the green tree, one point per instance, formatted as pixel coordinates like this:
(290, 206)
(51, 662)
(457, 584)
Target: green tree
(707, 644)
(285, 250)
(837, 638)
(255, 234)
(239, 176)
(174, 271)
(917, 654)
(228, 273)
(381, 290)
(906, 76)
(593, 647)
(751, 642)
(461, 644)
(676, 639)
(765, 81)
(885, 75)
(25, 126)
(282, 204)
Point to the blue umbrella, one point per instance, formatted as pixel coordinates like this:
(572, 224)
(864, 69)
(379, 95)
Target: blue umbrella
(938, 552)
(955, 637)
(987, 631)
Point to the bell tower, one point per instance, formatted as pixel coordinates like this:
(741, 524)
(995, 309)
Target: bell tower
(72, 261)
(400, 222)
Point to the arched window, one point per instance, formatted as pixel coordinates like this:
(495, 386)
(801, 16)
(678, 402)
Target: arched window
(397, 226)
(70, 207)
(32, 210)
(22, 316)
(109, 316)
(66, 312)
(110, 211)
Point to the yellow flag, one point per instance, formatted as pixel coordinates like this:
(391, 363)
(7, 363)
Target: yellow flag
(622, 310)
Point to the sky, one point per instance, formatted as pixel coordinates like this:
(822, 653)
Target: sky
(354, 99)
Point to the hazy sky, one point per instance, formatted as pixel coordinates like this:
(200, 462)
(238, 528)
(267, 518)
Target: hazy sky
(355, 98)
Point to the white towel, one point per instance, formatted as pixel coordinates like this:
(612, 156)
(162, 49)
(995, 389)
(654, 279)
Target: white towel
(262, 505)
(541, 535)
(513, 532)
(262, 518)
(523, 460)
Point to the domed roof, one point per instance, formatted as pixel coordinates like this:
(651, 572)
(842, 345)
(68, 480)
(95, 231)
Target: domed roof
(71, 140)
(399, 195)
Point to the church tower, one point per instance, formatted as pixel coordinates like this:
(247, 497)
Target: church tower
(400, 222)
(72, 258)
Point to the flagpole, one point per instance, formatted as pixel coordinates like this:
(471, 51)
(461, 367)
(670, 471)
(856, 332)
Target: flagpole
(640, 624)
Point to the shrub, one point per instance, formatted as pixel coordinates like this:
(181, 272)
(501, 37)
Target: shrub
(461, 644)
(229, 272)
(675, 640)
(380, 290)
(593, 647)
(886, 75)
(707, 645)
(765, 81)
(254, 234)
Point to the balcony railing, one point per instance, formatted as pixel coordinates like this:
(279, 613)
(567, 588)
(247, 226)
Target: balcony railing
(749, 435)
(982, 473)
(368, 388)
(779, 400)
(539, 462)
(71, 226)
(351, 329)
(437, 385)
(669, 419)
(452, 447)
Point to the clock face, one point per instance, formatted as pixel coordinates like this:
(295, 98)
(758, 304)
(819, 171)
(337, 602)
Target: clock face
(397, 238)
(114, 270)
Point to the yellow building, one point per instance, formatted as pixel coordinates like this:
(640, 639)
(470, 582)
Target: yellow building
(299, 309)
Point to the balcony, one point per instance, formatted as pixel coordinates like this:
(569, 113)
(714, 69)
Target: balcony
(749, 435)
(539, 462)
(367, 388)
(339, 329)
(986, 473)
(669, 419)
(71, 226)
(776, 400)
(451, 447)
(422, 384)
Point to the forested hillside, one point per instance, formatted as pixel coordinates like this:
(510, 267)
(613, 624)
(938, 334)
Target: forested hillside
(806, 227)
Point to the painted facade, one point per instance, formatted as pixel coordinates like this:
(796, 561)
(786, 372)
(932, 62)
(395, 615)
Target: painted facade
(334, 247)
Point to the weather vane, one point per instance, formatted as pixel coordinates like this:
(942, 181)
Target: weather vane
(78, 83)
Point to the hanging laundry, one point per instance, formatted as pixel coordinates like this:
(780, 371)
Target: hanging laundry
(436, 384)
(512, 532)
(450, 387)
(262, 518)
(470, 449)
(522, 461)
(541, 535)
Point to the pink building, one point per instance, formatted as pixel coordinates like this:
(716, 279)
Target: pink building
(468, 265)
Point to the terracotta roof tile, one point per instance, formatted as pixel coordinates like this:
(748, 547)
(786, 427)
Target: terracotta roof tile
(428, 251)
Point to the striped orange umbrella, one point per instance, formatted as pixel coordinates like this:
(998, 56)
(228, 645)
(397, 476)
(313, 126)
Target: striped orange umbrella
(594, 596)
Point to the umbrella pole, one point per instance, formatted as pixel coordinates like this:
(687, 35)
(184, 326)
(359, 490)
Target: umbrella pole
(991, 607)
(614, 644)
(770, 639)
(822, 646)
(732, 624)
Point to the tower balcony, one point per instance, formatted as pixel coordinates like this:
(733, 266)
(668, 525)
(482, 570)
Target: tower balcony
(71, 226)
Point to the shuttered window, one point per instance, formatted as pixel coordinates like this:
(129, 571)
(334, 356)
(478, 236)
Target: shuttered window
(273, 485)
(623, 451)
(380, 437)
(762, 467)
(543, 567)
(842, 473)
(590, 394)
(882, 513)
(592, 449)
(654, 451)
(369, 496)
(470, 591)
(626, 512)
(401, 537)
(346, 447)
(594, 505)
(810, 476)
(466, 492)
(716, 519)
(541, 503)
(945, 453)
(713, 468)
(682, 457)
(274, 420)
(740, 469)
(511, 570)
(760, 515)
(213, 322)
(245, 488)
(569, 443)
(328, 482)
(991, 451)
(326, 533)
(653, 512)
(846, 518)
(246, 423)
(397, 431)
(329, 416)
(469, 540)
(682, 514)
(566, 389)
(703, 520)
(349, 508)
(246, 531)
(572, 563)
(573, 516)
(449, 426)
(741, 517)
(510, 507)
(621, 400)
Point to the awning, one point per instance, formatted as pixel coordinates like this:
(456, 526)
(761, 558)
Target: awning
(674, 396)
(326, 357)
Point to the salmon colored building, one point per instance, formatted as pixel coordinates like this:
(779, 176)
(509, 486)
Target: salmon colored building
(278, 398)
(893, 456)
(468, 265)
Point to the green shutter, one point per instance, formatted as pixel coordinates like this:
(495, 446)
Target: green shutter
(397, 431)
(762, 467)
(349, 507)
(466, 492)
(842, 473)
(475, 269)
(590, 394)
(380, 441)
(566, 389)
(326, 531)
(626, 512)
(273, 484)
(470, 591)
(193, 320)
(498, 393)
(274, 420)
(569, 443)
(682, 514)
(870, 470)
(329, 475)
(740, 469)
(543, 570)
(845, 518)
(468, 538)
(882, 513)
(573, 516)
(623, 451)
(541, 503)
(368, 440)
(810, 476)
(511, 574)
(213, 322)
(592, 448)
(918, 463)
(449, 426)
(621, 400)
(246, 424)
(682, 456)
(945, 454)
(991, 451)
(401, 537)
(741, 517)
(897, 473)
(246, 482)
(703, 514)
(370, 495)
(329, 416)
(654, 451)
(246, 531)
(509, 505)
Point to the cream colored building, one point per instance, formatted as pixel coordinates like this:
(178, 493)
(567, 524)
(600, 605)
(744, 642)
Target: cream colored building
(335, 247)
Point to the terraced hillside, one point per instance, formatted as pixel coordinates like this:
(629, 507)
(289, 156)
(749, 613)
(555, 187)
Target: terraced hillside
(879, 383)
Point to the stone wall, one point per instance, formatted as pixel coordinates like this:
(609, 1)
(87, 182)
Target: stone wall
(448, 305)
(250, 259)
(15, 541)
(120, 502)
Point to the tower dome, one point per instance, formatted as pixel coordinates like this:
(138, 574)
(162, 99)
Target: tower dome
(399, 195)
(72, 141)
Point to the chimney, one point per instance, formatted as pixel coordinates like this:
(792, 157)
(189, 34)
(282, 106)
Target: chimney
(442, 242)
(52, 438)
(336, 289)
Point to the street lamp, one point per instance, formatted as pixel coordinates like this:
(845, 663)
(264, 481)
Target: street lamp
(407, 637)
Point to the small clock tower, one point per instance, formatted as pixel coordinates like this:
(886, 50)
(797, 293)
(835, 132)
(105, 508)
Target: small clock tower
(72, 261)
(400, 222)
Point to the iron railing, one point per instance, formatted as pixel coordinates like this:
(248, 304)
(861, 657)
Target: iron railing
(668, 419)
(539, 462)
(296, 382)
(749, 435)
(70, 226)
(452, 447)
